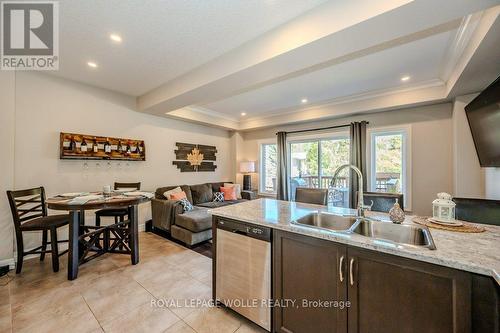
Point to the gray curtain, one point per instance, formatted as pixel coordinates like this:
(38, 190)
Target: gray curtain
(282, 172)
(358, 158)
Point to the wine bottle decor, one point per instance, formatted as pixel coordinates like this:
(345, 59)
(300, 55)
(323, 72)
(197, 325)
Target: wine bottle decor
(91, 147)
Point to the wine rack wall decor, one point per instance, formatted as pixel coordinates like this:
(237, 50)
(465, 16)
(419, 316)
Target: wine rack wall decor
(195, 157)
(91, 147)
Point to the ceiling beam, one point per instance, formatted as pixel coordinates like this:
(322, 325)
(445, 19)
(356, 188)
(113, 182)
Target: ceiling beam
(308, 43)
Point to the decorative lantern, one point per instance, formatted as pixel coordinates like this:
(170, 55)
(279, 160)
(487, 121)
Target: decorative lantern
(443, 208)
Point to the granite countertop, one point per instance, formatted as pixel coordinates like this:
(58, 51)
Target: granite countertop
(472, 252)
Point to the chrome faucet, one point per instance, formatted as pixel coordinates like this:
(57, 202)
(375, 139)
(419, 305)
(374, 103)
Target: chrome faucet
(361, 204)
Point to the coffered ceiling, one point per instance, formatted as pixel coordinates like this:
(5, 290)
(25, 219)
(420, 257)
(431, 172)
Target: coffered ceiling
(248, 64)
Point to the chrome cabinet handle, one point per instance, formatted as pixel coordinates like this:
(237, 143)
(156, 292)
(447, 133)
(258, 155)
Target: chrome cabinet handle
(341, 274)
(351, 277)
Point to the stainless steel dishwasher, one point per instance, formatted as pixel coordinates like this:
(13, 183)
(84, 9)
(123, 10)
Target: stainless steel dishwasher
(243, 270)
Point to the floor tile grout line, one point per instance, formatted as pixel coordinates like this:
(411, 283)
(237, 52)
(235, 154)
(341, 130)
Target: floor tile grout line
(179, 317)
(185, 322)
(90, 309)
(145, 288)
(157, 298)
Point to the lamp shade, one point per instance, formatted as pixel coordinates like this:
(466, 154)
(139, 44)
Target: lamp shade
(247, 166)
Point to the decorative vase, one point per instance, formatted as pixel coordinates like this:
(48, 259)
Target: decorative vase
(396, 214)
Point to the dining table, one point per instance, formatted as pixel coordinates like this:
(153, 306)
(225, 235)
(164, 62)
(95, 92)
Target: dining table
(87, 242)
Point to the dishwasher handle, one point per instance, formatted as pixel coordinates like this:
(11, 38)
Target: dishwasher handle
(240, 232)
(245, 229)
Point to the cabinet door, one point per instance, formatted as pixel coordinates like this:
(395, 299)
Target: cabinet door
(307, 268)
(394, 294)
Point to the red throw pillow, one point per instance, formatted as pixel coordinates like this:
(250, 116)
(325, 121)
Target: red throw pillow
(229, 193)
(178, 196)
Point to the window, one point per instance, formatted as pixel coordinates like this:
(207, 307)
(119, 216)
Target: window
(390, 162)
(313, 163)
(268, 168)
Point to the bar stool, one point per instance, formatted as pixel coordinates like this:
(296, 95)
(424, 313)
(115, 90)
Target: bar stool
(29, 213)
(118, 213)
(317, 196)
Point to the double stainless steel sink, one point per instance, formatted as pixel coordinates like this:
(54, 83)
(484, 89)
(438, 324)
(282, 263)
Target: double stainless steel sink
(405, 235)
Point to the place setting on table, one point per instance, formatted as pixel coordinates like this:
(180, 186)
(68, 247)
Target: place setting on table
(87, 242)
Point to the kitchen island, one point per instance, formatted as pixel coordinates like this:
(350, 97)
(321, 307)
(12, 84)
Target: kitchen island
(454, 288)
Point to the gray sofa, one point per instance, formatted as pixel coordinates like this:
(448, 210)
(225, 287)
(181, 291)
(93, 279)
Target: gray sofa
(191, 227)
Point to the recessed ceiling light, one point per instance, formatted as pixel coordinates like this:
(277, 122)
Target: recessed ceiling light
(115, 38)
(405, 78)
(303, 100)
(92, 64)
(243, 114)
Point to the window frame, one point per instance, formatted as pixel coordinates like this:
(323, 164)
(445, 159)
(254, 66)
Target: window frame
(313, 138)
(406, 162)
(261, 188)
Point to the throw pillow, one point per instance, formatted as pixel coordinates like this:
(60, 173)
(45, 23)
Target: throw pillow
(166, 194)
(218, 196)
(201, 193)
(237, 188)
(186, 205)
(178, 196)
(229, 193)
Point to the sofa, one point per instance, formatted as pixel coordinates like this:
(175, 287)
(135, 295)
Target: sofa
(191, 227)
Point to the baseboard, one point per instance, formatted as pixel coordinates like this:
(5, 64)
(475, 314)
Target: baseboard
(8, 262)
(142, 227)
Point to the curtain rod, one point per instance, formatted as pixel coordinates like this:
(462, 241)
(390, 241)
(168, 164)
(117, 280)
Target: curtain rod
(320, 129)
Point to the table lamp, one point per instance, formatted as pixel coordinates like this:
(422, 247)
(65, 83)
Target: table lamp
(246, 168)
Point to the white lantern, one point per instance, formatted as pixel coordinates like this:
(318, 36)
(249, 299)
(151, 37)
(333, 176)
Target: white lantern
(443, 208)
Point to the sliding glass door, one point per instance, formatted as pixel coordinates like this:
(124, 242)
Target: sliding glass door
(313, 163)
(304, 164)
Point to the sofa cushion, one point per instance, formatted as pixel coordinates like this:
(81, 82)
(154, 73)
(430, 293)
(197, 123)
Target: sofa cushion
(220, 204)
(196, 220)
(218, 197)
(159, 191)
(178, 196)
(229, 193)
(201, 193)
(186, 205)
(237, 188)
(216, 186)
(167, 194)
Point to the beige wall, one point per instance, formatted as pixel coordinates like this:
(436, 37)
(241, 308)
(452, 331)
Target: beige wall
(6, 163)
(492, 187)
(468, 177)
(431, 146)
(46, 105)
(470, 180)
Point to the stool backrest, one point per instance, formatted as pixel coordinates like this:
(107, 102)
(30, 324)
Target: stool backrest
(478, 210)
(136, 186)
(26, 205)
(316, 196)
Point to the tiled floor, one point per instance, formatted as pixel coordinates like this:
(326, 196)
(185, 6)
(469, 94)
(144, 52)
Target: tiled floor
(111, 295)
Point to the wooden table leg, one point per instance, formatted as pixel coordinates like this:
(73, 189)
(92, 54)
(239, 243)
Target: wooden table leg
(81, 231)
(73, 244)
(134, 234)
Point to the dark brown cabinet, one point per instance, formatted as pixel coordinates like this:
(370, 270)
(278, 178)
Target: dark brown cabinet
(393, 294)
(387, 293)
(307, 269)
